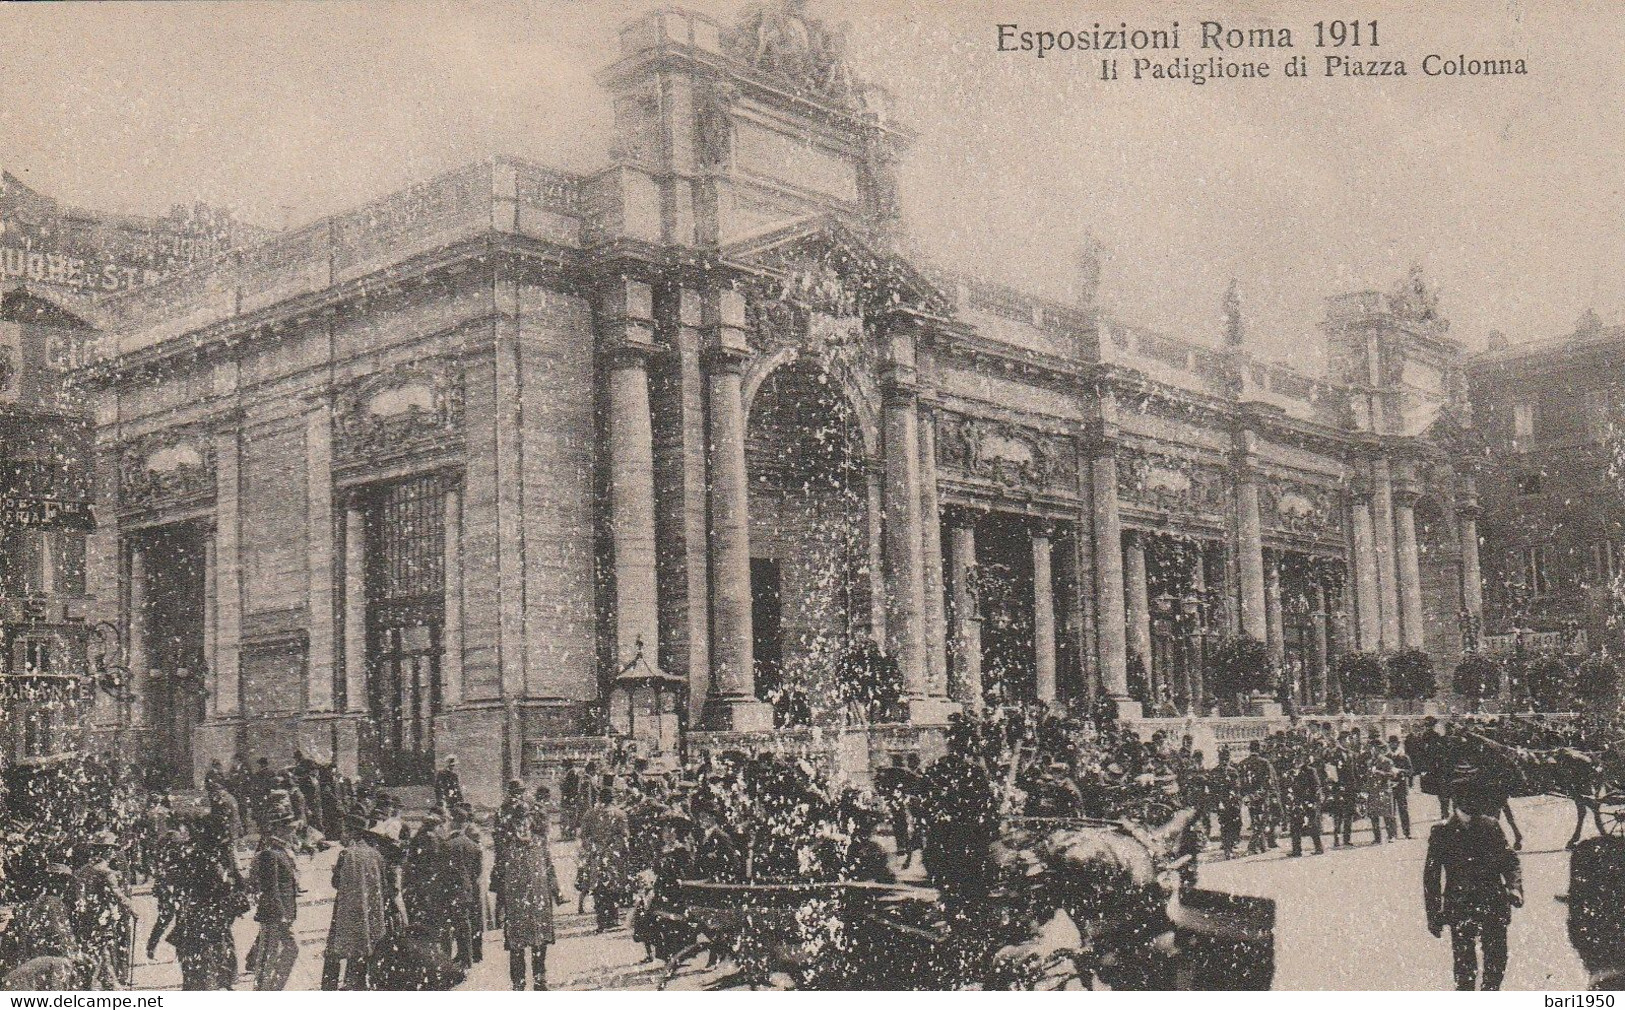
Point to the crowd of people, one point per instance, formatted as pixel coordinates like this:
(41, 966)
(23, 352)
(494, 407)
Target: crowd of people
(414, 897)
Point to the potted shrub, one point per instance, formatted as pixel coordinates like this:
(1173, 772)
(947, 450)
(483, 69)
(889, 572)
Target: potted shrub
(1410, 677)
(1241, 675)
(1363, 680)
(1550, 682)
(1477, 676)
(1597, 686)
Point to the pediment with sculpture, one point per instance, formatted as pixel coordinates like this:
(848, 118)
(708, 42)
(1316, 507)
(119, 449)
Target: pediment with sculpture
(407, 410)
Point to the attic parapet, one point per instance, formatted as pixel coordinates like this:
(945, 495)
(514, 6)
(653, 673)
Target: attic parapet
(502, 196)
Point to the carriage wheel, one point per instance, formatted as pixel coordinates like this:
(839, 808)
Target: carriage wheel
(1611, 815)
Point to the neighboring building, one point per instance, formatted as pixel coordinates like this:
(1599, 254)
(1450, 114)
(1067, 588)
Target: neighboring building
(515, 456)
(1554, 516)
(54, 260)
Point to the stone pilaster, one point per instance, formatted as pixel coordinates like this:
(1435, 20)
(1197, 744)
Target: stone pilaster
(687, 627)
(735, 705)
(319, 558)
(451, 634)
(965, 686)
(1043, 620)
(1382, 523)
(355, 611)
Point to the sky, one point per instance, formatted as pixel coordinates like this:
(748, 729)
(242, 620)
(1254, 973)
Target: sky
(1506, 189)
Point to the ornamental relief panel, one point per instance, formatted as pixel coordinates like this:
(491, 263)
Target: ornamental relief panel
(404, 410)
(1013, 455)
(167, 468)
(1290, 506)
(1170, 483)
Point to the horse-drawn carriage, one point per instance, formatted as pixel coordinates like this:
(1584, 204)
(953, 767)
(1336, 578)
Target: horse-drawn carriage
(1073, 903)
(1590, 773)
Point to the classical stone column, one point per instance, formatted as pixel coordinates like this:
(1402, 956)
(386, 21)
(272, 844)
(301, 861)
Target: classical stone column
(1382, 521)
(1472, 580)
(966, 684)
(136, 656)
(319, 557)
(877, 561)
(905, 576)
(737, 706)
(355, 610)
(211, 638)
(228, 595)
(1043, 620)
(451, 634)
(1070, 621)
(1410, 576)
(1111, 626)
(1196, 677)
(1272, 607)
(936, 623)
(632, 509)
(1317, 660)
(1250, 555)
(1367, 599)
(1137, 608)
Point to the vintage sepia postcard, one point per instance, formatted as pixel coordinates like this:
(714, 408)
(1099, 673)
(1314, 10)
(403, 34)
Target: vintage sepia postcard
(812, 494)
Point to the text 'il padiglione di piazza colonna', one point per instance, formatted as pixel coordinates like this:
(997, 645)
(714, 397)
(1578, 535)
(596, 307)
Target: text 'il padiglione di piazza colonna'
(515, 459)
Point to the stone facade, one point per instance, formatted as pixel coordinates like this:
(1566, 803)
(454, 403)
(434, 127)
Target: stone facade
(510, 459)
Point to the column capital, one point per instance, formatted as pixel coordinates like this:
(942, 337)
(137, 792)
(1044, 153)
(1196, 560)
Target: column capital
(1406, 493)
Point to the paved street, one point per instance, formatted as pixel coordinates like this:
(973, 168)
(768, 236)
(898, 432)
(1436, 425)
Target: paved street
(1351, 919)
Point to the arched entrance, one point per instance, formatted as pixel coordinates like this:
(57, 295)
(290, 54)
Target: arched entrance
(811, 575)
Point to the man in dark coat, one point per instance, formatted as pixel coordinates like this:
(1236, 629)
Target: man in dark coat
(1596, 897)
(1470, 883)
(275, 878)
(1304, 801)
(429, 882)
(448, 785)
(1404, 773)
(466, 861)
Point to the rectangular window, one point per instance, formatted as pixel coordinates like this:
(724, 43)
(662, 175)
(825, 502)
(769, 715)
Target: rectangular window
(1523, 422)
(22, 563)
(1535, 571)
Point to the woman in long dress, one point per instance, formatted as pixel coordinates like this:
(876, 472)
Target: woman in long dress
(529, 887)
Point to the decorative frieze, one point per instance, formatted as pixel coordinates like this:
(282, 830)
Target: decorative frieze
(1296, 507)
(399, 412)
(1170, 483)
(167, 469)
(1013, 455)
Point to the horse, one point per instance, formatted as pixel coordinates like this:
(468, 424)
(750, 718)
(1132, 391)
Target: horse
(1567, 772)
